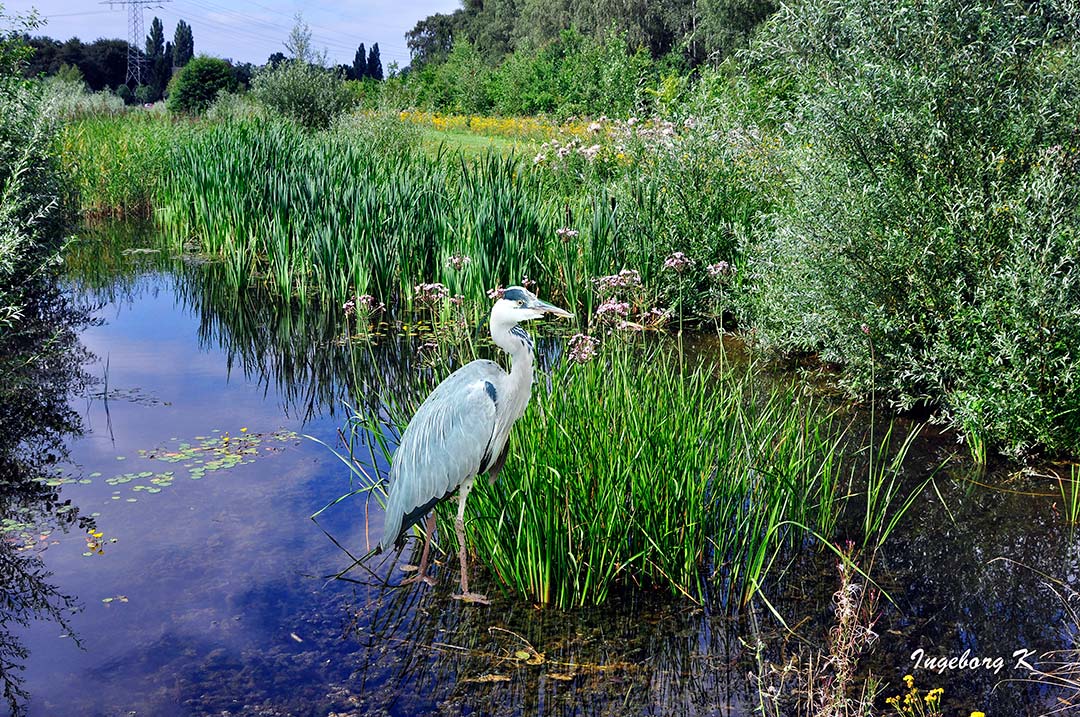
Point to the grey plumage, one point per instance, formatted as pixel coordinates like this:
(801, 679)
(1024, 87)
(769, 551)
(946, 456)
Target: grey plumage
(446, 441)
(461, 430)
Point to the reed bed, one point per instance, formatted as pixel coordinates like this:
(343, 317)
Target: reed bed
(365, 209)
(116, 164)
(637, 469)
(327, 217)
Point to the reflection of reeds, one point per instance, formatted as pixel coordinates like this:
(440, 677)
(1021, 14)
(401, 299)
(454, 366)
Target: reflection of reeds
(1058, 670)
(826, 683)
(633, 469)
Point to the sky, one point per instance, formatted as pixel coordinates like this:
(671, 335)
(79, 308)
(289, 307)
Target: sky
(247, 30)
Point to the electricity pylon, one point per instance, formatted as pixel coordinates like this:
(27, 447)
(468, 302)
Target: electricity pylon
(135, 35)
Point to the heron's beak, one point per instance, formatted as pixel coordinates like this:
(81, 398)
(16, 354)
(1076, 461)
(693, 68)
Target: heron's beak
(550, 309)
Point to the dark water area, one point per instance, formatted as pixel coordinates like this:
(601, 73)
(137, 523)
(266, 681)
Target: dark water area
(178, 528)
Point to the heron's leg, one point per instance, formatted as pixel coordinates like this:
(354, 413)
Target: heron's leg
(459, 525)
(421, 572)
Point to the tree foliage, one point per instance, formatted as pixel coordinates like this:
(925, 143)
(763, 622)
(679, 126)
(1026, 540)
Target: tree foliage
(183, 44)
(103, 63)
(159, 64)
(432, 38)
(198, 83)
(693, 29)
(359, 63)
(374, 64)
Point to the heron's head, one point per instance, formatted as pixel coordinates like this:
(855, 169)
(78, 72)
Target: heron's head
(519, 304)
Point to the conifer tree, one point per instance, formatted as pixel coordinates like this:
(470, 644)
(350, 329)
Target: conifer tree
(374, 64)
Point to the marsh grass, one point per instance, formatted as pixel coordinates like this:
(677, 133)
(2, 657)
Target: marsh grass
(1070, 494)
(117, 163)
(645, 469)
(330, 216)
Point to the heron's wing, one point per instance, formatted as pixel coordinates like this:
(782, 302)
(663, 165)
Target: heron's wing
(446, 442)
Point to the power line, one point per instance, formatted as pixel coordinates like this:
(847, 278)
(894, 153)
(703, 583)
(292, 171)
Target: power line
(75, 14)
(135, 35)
(257, 28)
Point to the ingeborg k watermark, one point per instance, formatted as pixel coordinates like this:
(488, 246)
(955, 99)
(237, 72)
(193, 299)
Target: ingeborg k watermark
(966, 661)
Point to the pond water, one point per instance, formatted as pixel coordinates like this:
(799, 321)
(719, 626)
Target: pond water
(201, 581)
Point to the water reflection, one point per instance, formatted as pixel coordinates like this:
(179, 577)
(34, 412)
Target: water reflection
(40, 366)
(311, 358)
(422, 652)
(253, 628)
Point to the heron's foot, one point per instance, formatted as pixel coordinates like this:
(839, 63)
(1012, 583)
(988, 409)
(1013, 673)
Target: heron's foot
(421, 576)
(473, 597)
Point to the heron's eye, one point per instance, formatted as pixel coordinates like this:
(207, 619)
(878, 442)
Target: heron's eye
(521, 302)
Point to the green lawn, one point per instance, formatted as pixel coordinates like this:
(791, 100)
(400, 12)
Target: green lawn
(475, 145)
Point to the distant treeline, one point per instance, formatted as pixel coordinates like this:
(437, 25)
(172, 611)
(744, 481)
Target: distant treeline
(102, 64)
(689, 31)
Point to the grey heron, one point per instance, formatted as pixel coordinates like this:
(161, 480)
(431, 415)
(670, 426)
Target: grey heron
(461, 432)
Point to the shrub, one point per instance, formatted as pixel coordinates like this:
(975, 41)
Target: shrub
(231, 106)
(197, 85)
(305, 93)
(30, 193)
(69, 99)
(522, 84)
(931, 243)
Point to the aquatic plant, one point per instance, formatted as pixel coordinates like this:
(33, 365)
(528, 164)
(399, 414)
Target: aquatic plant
(826, 682)
(117, 163)
(703, 491)
(1070, 494)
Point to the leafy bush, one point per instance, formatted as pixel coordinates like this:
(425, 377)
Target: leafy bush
(30, 192)
(305, 93)
(577, 75)
(930, 246)
(522, 85)
(198, 83)
(69, 99)
(599, 77)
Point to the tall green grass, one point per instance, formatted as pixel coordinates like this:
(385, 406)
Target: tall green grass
(328, 216)
(637, 469)
(116, 164)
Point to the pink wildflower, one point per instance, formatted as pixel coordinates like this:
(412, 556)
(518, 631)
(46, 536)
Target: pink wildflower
(678, 261)
(718, 269)
(457, 262)
(613, 309)
(582, 348)
(625, 279)
(431, 293)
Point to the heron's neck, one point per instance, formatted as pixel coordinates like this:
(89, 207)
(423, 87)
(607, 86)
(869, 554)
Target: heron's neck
(516, 342)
